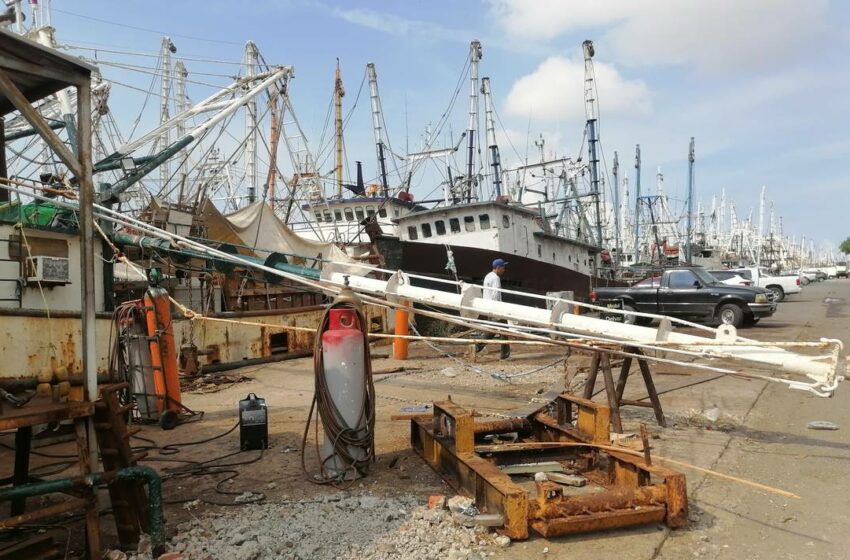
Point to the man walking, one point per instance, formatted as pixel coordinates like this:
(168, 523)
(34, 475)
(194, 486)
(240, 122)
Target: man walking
(492, 292)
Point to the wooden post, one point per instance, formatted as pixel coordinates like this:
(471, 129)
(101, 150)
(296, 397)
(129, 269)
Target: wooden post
(402, 322)
(611, 392)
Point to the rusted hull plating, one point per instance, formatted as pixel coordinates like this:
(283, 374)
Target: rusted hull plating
(630, 492)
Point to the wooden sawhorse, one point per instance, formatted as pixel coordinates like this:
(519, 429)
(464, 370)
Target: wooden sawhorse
(602, 361)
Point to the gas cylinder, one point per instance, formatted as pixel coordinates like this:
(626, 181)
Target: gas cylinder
(343, 356)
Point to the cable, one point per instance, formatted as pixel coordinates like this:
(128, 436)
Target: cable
(146, 30)
(344, 438)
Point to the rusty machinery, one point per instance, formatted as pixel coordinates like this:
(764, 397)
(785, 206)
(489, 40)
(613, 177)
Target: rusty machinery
(623, 489)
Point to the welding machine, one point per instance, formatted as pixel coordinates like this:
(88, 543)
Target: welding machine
(253, 423)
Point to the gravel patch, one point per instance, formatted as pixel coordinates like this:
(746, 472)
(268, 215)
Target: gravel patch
(342, 526)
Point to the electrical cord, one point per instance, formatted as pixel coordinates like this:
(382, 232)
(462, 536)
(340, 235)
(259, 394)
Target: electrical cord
(343, 437)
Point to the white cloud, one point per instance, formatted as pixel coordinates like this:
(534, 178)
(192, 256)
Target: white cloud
(710, 34)
(555, 90)
(398, 26)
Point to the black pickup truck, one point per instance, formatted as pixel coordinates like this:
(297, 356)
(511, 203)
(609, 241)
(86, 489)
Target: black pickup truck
(692, 293)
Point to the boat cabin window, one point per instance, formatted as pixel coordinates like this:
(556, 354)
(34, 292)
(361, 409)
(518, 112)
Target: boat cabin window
(358, 211)
(484, 219)
(426, 230)
(469, 223)
(454, 225)
(318, 216)
(382, 212)
(370, 211)
(506, 221)
(327, 216)
(440, 225)
(337, 216)
(349, 214)
(411, 233)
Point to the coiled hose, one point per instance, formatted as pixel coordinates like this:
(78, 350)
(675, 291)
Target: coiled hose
(337, 430)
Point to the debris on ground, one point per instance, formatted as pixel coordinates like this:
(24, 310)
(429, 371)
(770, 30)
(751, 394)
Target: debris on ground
(821, 425)
(365, 527)
(212, 383)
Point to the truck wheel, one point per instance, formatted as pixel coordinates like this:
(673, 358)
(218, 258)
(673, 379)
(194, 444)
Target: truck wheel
(750, 320)
(731, 314)
(630, 319)
(778, 292)
(804, 281)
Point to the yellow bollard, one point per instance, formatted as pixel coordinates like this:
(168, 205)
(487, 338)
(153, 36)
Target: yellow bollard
(402, 319)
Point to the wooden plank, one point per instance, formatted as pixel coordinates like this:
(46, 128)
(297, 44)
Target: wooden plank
(611, 392)
(92, 521)
(42, 411)
(50, 511)
(22, 104)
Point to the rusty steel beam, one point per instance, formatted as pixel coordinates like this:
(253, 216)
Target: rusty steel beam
(632, 491)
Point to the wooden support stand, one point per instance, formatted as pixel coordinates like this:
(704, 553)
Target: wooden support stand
(602, 361)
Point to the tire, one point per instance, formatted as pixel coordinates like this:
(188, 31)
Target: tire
(633, 319)
(804, 281)
(731, 314)
(750, 320)
(168, 420)
(630, 319)
(778, 292)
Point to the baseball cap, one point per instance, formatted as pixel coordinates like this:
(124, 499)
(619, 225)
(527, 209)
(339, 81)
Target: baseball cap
(499, 262)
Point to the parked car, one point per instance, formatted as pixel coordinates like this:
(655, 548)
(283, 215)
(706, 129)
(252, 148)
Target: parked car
(841, 269)
(692, 293)
(807, 277)
(730, 278)
(781, 286)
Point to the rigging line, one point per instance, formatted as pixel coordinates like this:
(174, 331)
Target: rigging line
(206, 155)
(145, 103)
(151, 54)
(156, 73)
(146, 30)
(139, 67)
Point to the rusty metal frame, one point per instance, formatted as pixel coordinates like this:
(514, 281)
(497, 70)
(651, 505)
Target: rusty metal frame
(633, 492)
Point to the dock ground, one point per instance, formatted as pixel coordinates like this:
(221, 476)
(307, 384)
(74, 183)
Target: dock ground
(761, 435)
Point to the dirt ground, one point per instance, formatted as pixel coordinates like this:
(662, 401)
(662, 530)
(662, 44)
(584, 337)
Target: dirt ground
(763, 438)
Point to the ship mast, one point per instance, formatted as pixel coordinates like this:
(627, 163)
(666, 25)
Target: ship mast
(637, 204)
(475, 54)
(251, 126)
(492, 147)
(689, 233)
(166, 51)
(377, 126)
(339, 93)
(616, 208)
(592, 138)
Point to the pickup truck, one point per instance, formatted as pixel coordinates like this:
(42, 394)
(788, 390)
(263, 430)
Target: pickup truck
(692, 293)
(781, 286)
(841, 269)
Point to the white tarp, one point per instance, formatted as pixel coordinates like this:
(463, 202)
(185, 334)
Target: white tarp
(259, 228)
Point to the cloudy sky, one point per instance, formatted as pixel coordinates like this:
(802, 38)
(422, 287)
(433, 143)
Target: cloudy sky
(762, 85)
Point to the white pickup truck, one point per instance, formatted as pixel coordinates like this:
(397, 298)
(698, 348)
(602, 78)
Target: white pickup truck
(781, 286)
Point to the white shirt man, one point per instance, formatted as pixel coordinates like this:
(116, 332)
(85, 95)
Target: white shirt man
(492, 286)
(492, 292)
